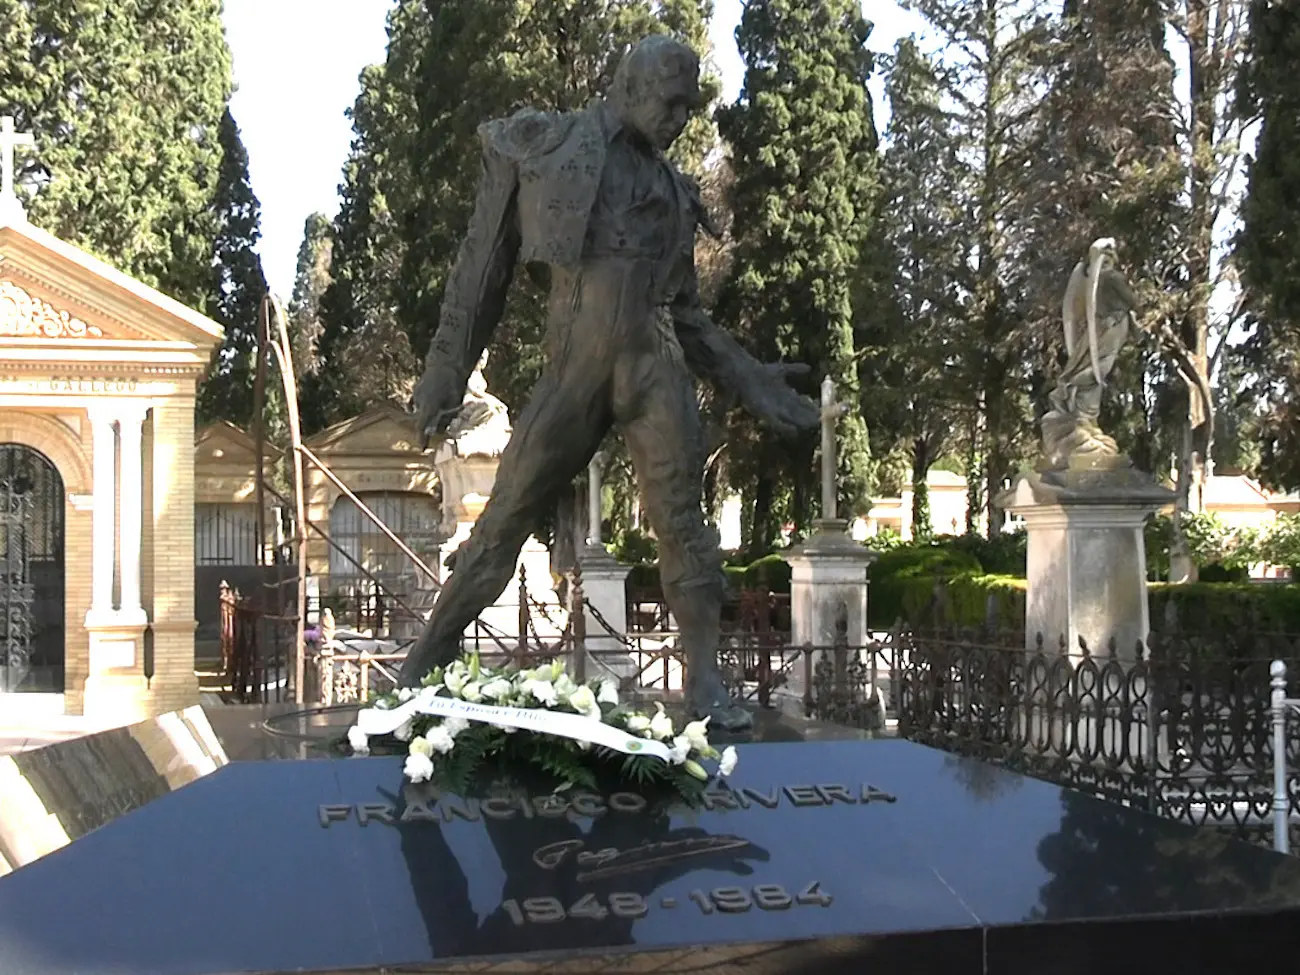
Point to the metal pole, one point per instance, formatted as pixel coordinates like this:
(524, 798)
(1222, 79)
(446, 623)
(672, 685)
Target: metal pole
(259, 486)
(1281, 797)
(284, 357)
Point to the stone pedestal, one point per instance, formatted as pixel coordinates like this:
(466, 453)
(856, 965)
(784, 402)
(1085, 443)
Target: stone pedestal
(466, 484)
(604, 587)
(828, 595)
(1086, 573)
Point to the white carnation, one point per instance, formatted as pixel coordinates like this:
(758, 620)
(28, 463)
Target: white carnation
(358, 741)
(728, 763)
(440, 740)
(454, 726)
(418, 768)
(608, 693)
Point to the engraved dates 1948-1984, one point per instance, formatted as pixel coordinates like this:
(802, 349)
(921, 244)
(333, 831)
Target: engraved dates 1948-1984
(720, 900)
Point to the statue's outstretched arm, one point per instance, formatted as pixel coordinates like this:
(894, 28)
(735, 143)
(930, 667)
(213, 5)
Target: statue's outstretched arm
(711, 353)
(715, 356)
(476, 293)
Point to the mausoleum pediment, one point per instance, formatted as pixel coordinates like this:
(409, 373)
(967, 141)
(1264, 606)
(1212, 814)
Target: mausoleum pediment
(384, 430)
(71, 306)
(223, 443)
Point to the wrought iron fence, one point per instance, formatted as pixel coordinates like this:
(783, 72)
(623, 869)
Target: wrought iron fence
(1181, 728)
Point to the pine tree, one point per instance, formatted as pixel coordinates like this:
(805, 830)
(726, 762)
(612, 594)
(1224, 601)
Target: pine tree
(1107, 165)
(238, 285)
(364, 350)
(802, 144)
(126, 103)
(910, 321)
(990, 80)
(311, 280)
(1268, 245)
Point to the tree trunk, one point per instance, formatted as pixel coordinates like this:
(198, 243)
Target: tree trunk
(762, 534)
(922, 525)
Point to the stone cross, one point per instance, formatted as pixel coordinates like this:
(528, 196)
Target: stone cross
(594, 468)
(831, 411)
(9, 141)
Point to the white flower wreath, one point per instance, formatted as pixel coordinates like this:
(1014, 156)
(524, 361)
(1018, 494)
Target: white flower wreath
(467, 714)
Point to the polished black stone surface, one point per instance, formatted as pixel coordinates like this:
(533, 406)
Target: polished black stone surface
(907, 859)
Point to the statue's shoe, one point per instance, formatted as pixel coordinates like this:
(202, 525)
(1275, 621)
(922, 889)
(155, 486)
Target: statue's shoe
(729, 717)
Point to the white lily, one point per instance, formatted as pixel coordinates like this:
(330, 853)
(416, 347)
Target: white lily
(497, 689)
(697, 733)
(638, 724)
(583, 701)
(564, 688)
(608, 693)
(455, 681)
(661, 726)
(472, 692)
(542, 690)
(404, 694)
(679, 750)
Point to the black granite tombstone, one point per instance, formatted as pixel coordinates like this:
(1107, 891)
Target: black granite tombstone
(826, 857)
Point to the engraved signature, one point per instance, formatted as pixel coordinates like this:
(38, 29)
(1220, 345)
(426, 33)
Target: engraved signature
(612, 861)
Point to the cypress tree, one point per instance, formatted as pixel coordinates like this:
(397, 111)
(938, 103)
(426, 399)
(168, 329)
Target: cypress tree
(1268, 245)
(802, 145)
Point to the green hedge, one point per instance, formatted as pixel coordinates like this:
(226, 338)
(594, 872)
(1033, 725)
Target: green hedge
(1219, 609)
(770, 572)
(963, 599)
(1232, 615)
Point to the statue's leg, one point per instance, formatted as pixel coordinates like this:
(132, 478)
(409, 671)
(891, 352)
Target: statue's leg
(655, 407)
(559, 430)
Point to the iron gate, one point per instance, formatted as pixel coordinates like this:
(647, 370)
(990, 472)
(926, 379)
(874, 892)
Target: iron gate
(31, 571)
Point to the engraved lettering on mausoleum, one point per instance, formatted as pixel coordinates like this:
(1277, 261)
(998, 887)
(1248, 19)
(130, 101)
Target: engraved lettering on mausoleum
(23, 315)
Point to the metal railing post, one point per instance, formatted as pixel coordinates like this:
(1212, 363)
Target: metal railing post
(1281, 795)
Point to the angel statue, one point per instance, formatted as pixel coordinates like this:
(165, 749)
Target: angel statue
(1097, 312)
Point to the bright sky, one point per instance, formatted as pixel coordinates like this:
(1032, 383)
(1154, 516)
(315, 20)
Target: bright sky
(297, 64)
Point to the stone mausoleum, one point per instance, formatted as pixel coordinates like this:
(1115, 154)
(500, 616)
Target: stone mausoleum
(97, 390)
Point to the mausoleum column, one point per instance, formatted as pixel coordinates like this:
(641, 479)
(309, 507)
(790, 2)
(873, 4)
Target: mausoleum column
(130, 422)
(102, 540)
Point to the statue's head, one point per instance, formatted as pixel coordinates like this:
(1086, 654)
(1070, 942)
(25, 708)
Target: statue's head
(1101, 253)
(656, 89)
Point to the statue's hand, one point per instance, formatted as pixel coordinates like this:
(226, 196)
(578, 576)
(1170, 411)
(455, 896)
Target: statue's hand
(437, 400)
(770, 399)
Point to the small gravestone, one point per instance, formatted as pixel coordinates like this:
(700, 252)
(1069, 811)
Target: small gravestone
(818, 856)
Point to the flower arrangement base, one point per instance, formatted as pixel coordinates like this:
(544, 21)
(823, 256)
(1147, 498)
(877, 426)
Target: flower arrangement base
(467, 721)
